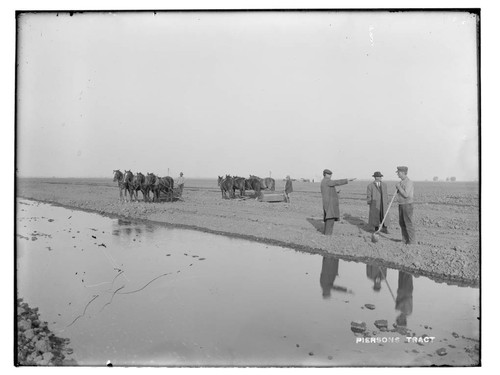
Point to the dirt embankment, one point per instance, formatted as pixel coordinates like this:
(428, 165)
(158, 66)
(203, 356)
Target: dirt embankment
(446, 218)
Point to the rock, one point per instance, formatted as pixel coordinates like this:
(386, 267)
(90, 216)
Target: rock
(21, 311)
(24, 325)
(455, 335)
(29, 334)
(381, 324)
(358, 326)
(48, 356)
(42, 346)
(441, 351)
(370, 306)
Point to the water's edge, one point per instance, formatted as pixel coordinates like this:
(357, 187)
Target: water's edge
(300, 248)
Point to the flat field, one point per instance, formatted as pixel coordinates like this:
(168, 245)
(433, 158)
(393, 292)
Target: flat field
(446, 215)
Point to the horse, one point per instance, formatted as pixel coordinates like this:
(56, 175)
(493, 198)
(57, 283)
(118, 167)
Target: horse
(239, 184)
(128, 182)
(149, 181)
(226, 185)
(151, 184)
(118, 176)
(138, 184)
(166, 185)
(253, 183)
(270, 183)
(267, 183)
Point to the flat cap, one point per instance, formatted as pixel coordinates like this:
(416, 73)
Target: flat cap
(402, 169)
(327, 171)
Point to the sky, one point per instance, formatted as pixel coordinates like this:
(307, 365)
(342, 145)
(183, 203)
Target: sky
(264, 93)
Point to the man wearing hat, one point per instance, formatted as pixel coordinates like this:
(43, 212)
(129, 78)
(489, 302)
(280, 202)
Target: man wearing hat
(376, 196)
(180, 182)
(331, 212)
(405, 200)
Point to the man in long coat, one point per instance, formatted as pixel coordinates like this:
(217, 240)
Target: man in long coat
(376, 197)
(331, 212)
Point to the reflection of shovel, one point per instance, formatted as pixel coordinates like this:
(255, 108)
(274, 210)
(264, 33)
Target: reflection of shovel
(388, 287)
(375, 235)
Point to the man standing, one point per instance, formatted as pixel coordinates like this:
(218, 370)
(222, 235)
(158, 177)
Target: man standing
(180, 182)
(331, 212)
(376, 196)
(405, 200)
(288, 188)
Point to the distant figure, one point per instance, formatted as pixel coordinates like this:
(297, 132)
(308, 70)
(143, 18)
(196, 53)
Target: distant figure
(405, 200)
(180, 182)
(331, 212)
(404, 298)
(377, 274)
(376, 197)
(288, 188)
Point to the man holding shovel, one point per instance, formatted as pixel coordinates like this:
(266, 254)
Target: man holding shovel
(405, 199)
(376, 196)
(331, 212)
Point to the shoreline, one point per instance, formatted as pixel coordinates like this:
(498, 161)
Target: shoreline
(447, 228)
(297, 247)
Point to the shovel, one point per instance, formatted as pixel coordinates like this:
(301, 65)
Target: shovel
(375, 235)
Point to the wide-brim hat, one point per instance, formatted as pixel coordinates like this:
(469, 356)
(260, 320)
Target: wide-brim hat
(402, 169)
(378, 174)
(327, 171)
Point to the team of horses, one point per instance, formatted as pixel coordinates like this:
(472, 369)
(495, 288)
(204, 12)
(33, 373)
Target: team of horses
(229, 184)
(150, 183)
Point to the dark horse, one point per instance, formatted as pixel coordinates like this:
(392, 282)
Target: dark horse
(267, 183)
(253, 183)
(166, 185)
(226, 185)
(270, 183)
(157, 185)
(128, 182)
(239, 184)
(118, 176)
(138, 184)
(150, 184)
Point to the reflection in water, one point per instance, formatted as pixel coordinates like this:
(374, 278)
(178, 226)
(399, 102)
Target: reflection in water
(329, 271)
(128, 228)
(404, 299)
(377, 274)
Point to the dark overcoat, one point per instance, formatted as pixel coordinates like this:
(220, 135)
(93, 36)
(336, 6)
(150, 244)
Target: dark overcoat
(330, 198)
(378, 201)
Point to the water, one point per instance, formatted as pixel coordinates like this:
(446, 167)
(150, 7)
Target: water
(141, 294)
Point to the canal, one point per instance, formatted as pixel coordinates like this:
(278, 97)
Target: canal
(136, 293)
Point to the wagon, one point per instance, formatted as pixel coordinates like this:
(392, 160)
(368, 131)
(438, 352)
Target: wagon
(271, 196)
(175, 196)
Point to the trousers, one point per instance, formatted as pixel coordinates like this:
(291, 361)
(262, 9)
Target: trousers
(406, 223)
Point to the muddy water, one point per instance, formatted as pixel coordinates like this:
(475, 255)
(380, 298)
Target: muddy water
(140, 294)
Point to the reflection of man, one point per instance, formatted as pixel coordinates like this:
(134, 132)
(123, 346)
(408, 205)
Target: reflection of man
(331, 212)
(376, 197)
(404, 298)
(329, 271)
(377, 274)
